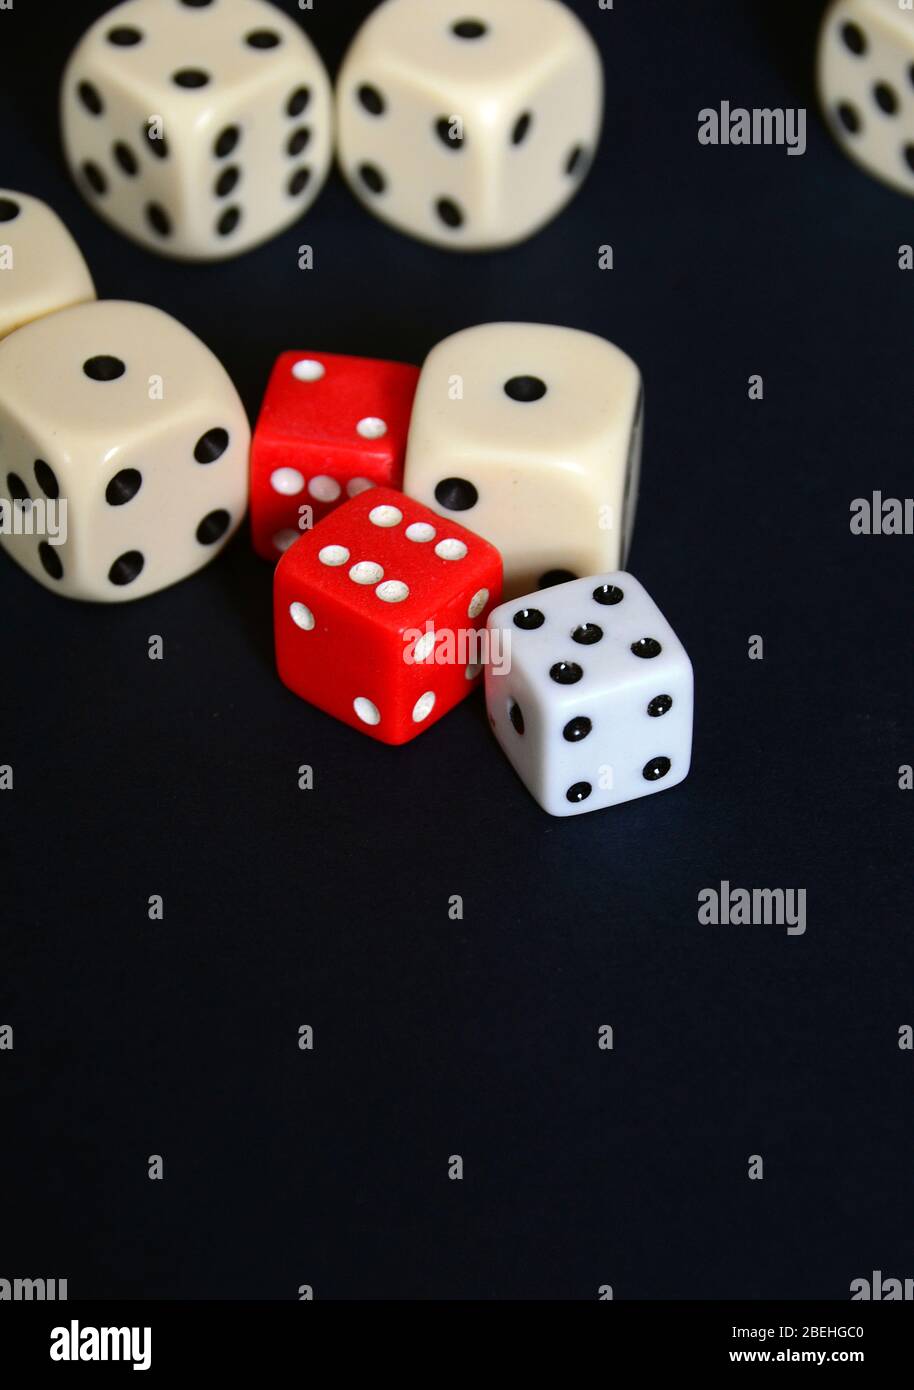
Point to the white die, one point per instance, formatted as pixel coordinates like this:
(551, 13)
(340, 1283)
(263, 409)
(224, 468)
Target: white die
(41, 267)
(589, 692)
(469, 126)
(124, 451)
(866, 85)
(532, 434)
(198, 127)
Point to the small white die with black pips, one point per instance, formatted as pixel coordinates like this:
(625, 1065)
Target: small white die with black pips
(198, 127)
(469, 125)
(121, 426)
(593, 703)
(866, 85)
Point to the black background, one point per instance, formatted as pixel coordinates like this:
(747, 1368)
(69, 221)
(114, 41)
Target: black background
(330, 907)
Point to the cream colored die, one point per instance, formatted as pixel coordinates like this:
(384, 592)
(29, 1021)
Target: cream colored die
(198, 128)
(533, 434)
(123, 451)
(41, 267)
(469, 126)
(866, 85)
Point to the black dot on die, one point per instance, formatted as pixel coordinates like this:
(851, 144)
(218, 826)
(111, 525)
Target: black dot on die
(885, 98)
(565, 673)
(262, 38)
(579, 792)
(123, 486)
(525, 389)
(576, 162)
(104, 368)
(298, 140)
(211, 446)
(449, 212)
(227, 181)
(854, 38)
(528, 619)
(456, 494)
(8, 209)
(126, 568)
(50, 560)
(911, 74)
(157, 144)
(190, 78)
(90, 98)
(660, 704)
(228, 221)
(372, 178)
(298, 101)
(587, 634)
(655, 769)
(553, 577)
(95, 178)
(449, 136)
(17, 488)
(299, 181)
(909, 157)
(47, 479)
(576, 729)
(516, 715)
(521, 128)
(849, 117)
(371, 99)
(469, 29)
(124, 36)
(196, 4)
(158, 219)
(647, 647)
(226, 141)
(126, 159)
(608, 594)
(212, 527)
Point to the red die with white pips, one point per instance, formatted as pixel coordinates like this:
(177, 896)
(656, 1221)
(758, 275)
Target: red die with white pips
(330, 427)
(380, 614)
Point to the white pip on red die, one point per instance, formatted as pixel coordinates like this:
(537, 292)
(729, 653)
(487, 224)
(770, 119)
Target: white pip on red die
(380, 614)
(531, 433)
(469, 127)
(330, 427)
(591, 697)
(198, 127)
(123, 451)
(41, 267)
(866, 85)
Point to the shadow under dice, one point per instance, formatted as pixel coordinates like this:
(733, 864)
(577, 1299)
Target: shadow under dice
(469, 126)
(593, 705)
(330, 427)
(532, 434)
(199, 129)
(380, 614)
(120, 424)
(866, 85)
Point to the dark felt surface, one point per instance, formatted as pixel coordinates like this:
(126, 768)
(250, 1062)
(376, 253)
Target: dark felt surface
(330, 907)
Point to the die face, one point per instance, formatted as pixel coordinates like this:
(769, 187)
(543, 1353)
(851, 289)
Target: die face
(198, 130)
(469, 132)
(118, 411)
(330, 427)
(596, 707)
(531, 434)
(378, 614)
(42, 267)
(866, 85)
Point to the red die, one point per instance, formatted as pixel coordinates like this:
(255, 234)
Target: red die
(380, 614)
(330, 427)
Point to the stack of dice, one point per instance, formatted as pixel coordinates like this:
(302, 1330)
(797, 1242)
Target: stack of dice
(429, 529)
